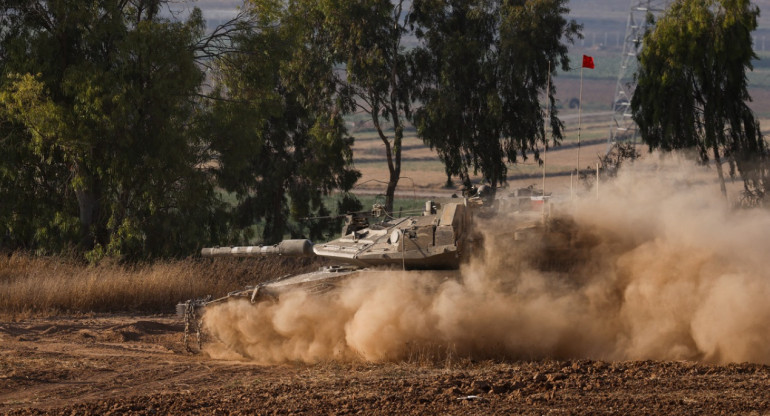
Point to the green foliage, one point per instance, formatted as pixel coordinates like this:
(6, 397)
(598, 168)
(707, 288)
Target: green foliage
(276, 131)
(365, 38)
(483, 66)
(379, 75)
(479, 72)
(32, 215)
(692, 86)
(97, 111)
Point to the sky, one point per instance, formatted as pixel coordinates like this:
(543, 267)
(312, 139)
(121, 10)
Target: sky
(217, 11)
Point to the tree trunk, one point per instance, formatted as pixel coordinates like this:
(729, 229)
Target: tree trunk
(275, 222)
(395, 168)
(390, 192)
(718, 162)
(88, 206)
(392, 155)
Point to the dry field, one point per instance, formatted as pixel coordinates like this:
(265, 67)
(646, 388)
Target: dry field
(135, 363)
(520, 351)
(129, 364)
(33, 286)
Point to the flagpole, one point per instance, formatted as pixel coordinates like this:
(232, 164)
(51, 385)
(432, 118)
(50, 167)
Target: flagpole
(580, 125)
(548, 121)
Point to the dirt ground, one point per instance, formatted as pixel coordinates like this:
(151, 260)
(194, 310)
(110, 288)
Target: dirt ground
(138, 365)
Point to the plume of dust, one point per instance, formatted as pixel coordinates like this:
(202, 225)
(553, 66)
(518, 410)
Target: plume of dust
(659, 268)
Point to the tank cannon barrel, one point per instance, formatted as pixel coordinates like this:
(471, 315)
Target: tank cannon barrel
(291, 248)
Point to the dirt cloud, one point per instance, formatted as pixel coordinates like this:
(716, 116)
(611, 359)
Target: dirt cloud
(658, 268)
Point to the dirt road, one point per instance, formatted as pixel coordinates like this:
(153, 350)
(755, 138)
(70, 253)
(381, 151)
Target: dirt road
(137, 365)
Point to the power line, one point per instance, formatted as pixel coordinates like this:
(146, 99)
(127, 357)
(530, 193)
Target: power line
(622, 127)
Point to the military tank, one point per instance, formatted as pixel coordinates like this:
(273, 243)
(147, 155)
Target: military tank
(437, 239)
(441, 238)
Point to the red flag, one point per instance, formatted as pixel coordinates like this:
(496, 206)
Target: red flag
(588, 62)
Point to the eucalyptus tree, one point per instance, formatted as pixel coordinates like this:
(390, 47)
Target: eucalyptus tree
(692, 90)
(363, 41)
(96, 109)
(367, 37)
(483, 67)
(277, 134)
(475, 78)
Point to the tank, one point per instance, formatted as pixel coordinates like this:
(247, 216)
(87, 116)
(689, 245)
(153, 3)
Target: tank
(437, 239)
(441, 238)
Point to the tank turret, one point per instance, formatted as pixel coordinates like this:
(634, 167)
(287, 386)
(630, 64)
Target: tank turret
(434, 240)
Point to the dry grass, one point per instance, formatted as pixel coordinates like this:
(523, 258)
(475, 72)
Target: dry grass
(38, 286)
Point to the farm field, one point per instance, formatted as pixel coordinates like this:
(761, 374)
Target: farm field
(135, 364)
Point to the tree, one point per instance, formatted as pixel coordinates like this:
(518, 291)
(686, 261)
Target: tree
(97, 107)
(277, 133)
(33, 216)
(478, 73)
(483, 65)
(692, 88)
(367, 37)
(363, 40)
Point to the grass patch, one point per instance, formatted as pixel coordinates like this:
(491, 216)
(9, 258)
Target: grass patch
(42, 286)
(50, 285)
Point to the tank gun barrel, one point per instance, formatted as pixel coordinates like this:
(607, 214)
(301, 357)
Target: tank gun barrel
(291, 248)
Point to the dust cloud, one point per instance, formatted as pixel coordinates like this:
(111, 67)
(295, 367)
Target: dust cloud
(659, 267)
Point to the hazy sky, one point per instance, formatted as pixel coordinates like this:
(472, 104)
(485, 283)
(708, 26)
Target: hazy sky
(217, 11)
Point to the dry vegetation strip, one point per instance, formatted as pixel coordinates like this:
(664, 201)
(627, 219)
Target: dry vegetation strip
(45, 285)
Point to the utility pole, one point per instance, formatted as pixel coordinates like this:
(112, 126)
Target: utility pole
(622, 127)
